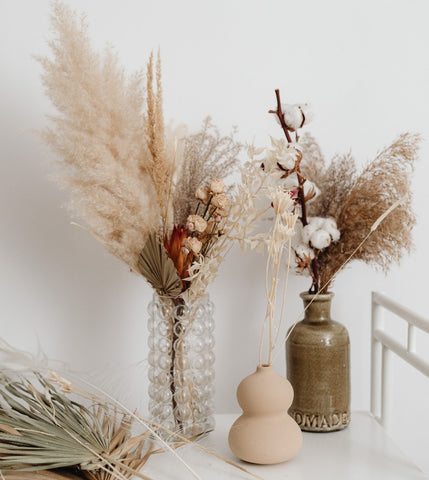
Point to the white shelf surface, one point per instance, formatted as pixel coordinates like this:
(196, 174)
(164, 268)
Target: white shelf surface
(363, 451)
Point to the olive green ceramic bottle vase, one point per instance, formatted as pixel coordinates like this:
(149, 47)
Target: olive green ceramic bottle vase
(318, 367)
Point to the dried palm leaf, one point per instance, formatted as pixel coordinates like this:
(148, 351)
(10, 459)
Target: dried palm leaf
(44, 429)
(158, 269)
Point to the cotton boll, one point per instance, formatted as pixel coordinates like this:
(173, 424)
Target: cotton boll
(317, 222)
(304, 251)
(307, 232)
(310, 190)
(270, 162)
(320, 239)
(292, 116)
(307, 112)
(329, 222)
(290, 182)
(330, 226)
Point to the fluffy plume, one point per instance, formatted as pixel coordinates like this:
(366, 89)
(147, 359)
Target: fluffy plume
(206, 155)
(335, 183)
(384, 181)
(312, 162)
(99, 134)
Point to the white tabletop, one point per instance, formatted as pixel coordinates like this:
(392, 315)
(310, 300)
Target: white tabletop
(363, 451)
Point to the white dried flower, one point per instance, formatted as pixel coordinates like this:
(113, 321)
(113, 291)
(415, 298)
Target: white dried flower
(185, 250)
(296, 116)
(281, 200)
(217, 186)
(320, 239)
(194, 244)
(202, 194)
(220, 201)
(196, 223)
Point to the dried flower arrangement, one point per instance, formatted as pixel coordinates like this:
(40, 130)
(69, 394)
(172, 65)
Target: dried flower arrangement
(153, 196)
(343, 214)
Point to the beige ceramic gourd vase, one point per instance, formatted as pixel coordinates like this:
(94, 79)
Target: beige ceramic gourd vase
(265, 433)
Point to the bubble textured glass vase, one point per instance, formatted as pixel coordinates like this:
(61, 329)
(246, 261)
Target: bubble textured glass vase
(181, 365)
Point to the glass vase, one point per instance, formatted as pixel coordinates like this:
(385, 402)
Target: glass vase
(181, 365)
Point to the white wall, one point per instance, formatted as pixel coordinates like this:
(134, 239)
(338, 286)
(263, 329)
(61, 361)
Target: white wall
(363, 65)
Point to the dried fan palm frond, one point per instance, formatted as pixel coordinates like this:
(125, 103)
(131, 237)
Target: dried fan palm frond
(99, 133)
(42, 475)
(158, 268)
(206, 155)
(41, 428)
(384, 181)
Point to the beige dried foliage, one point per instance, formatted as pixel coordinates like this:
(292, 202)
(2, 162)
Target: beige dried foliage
(99, 134)
(206, 155)
(384, 181)
(335, 183)
(313, 162)
(160, 165)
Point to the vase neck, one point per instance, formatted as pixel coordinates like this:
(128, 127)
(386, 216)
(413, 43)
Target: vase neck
(317, 307)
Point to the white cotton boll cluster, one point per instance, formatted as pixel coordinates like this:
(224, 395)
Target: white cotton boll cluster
(320, 232)
(297, 115)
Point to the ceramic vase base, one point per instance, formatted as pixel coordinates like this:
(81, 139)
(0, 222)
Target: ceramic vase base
(265, 434)
(320, 422)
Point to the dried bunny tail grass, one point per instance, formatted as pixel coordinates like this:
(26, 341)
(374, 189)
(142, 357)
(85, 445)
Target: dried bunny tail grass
(98, 133)
(206, 155)
(383, 181)
(313, 162)
(335, 183)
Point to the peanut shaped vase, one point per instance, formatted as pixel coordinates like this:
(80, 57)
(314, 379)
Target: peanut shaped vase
(265, 433)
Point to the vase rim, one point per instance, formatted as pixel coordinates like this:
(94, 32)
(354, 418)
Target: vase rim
(316, 296)
(264, 366)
